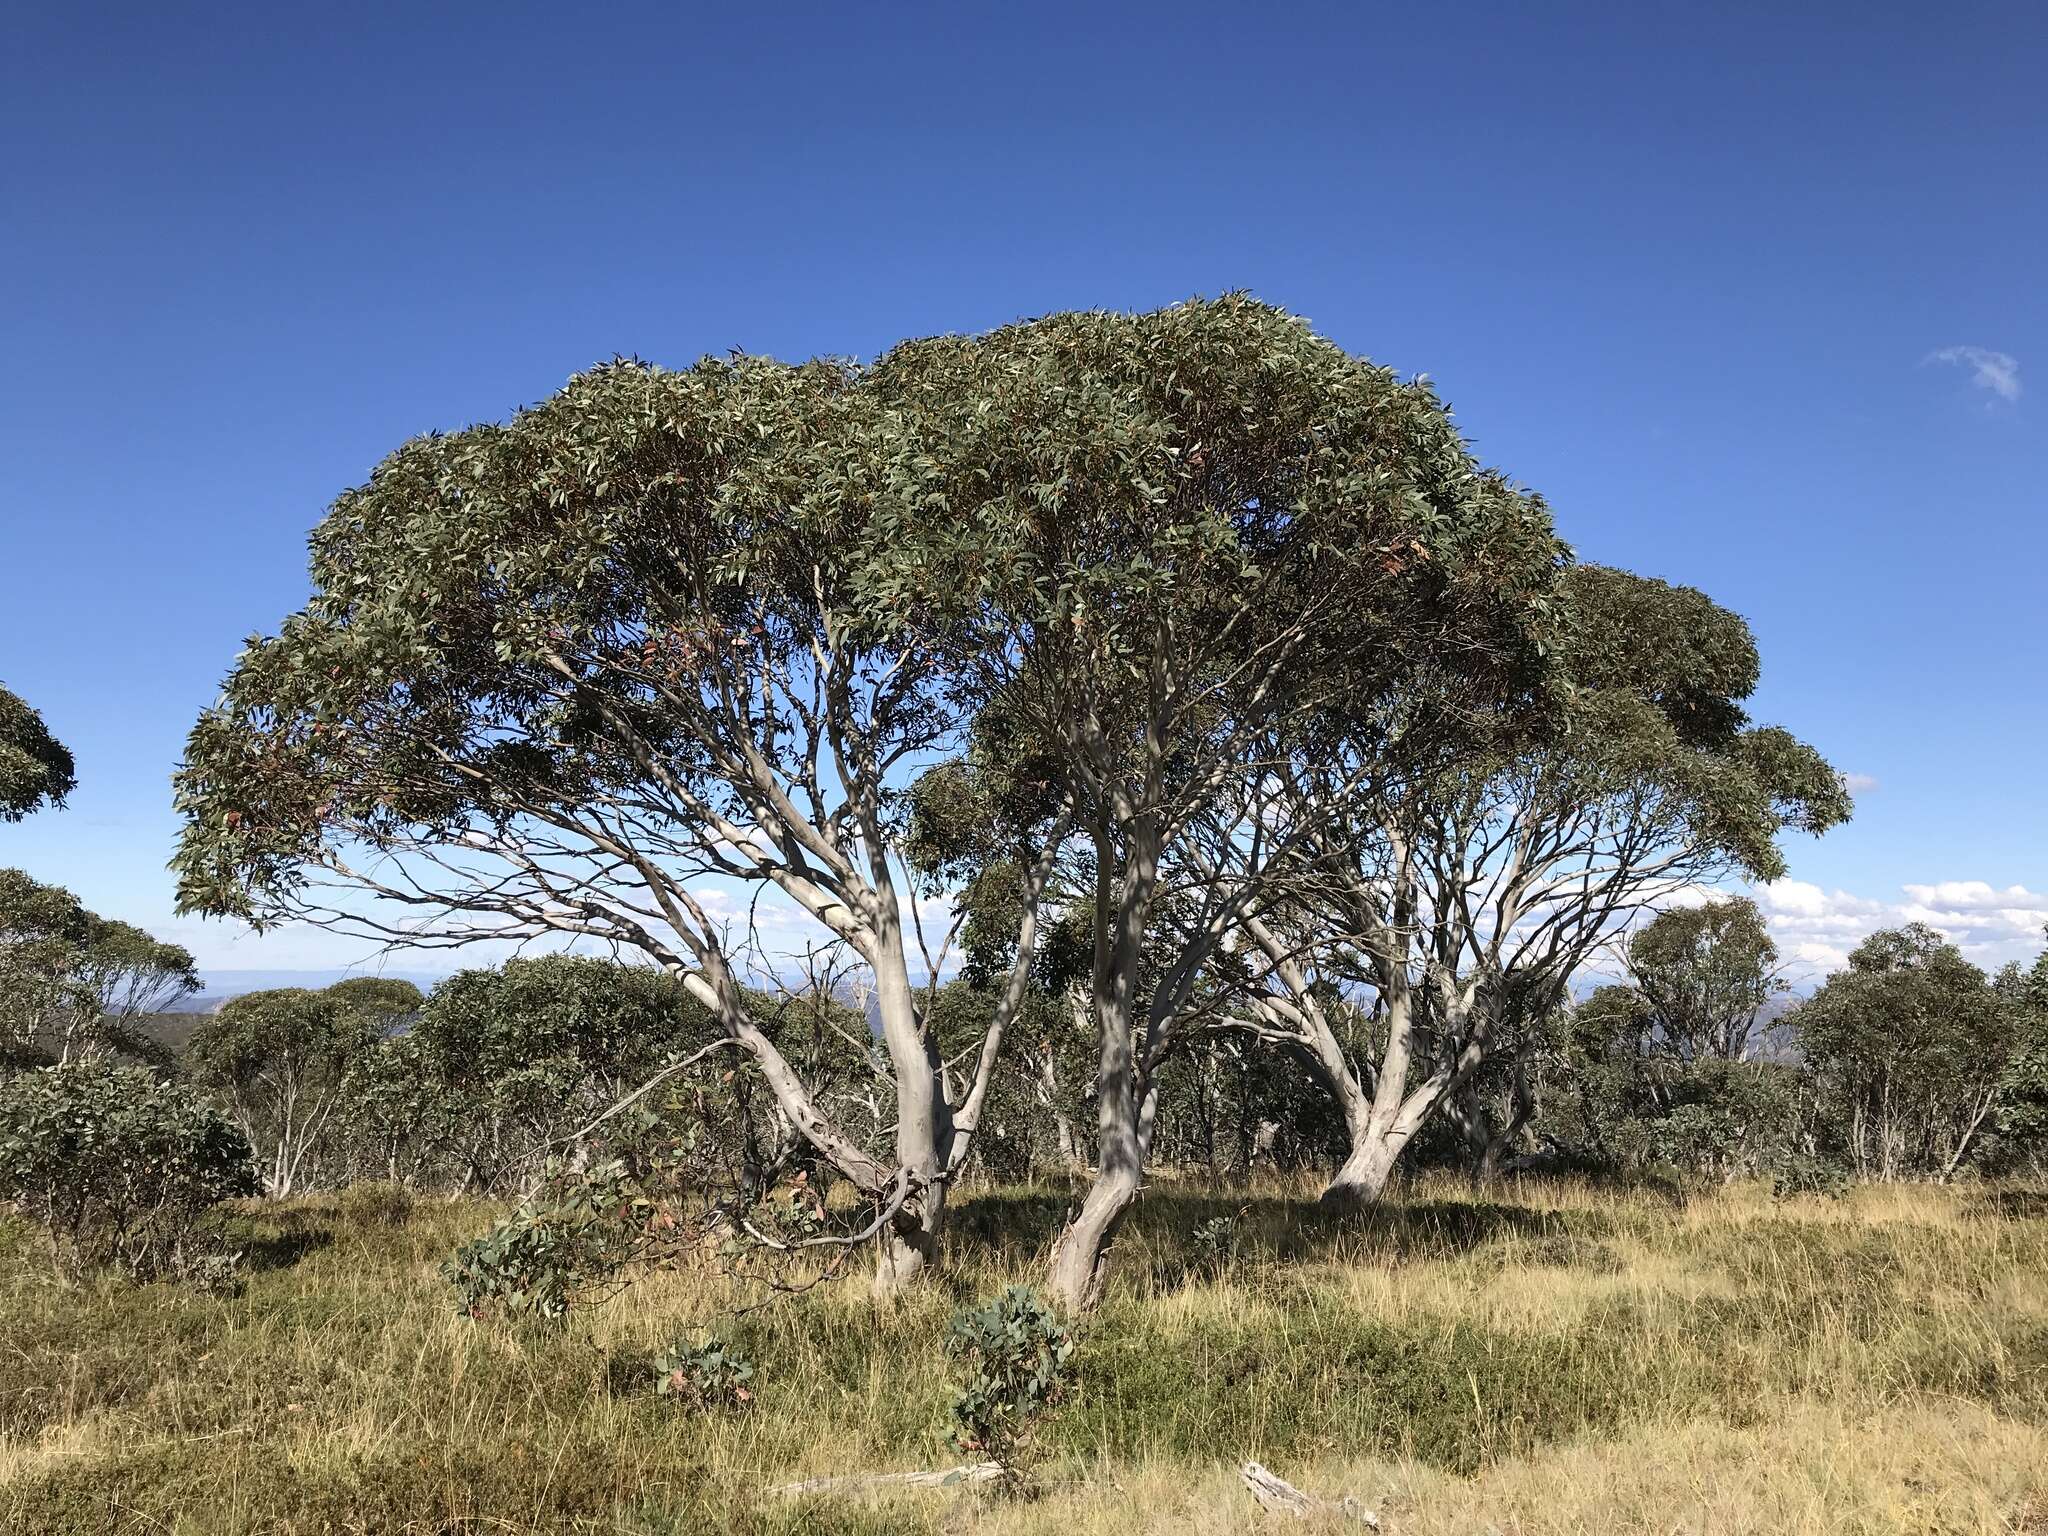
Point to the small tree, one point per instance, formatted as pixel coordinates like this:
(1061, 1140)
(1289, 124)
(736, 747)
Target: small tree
(389, 1002)
(1019, 1366)
(1706, 973)
(280, 1060)
(117, 1166)
(500, 1063)
(75, 984)
(2022, 1110)
(1908, 1048)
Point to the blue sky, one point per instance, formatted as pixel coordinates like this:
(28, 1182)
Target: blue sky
(1701, 275)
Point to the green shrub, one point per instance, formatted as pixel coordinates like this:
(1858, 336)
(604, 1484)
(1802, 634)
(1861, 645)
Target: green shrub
(1215, 1242)
(118, 1168)
(707, 1375)
(1020, 1365)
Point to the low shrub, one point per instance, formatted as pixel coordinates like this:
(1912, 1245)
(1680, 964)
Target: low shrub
(119, 1168)
(568, 1244)
(1019, 1362)
(707, 1375)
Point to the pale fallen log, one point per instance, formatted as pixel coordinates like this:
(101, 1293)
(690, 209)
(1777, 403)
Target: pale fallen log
(944, 1477)
(1283, 1498)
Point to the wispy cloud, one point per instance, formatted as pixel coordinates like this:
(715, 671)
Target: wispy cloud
(1858, 783)
(1998, 372)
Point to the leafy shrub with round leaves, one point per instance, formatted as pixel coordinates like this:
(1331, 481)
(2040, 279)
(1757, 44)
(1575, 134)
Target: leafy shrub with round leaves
(1019, 1365)
(118, 1167)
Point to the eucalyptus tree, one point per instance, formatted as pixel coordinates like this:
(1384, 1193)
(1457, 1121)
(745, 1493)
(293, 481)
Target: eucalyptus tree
(1187, 531)
(2022, 1110)
(1908, 1049)
(36, 769)
(1707, 972)
(74, 984)
(503, 1066)
(1452, 902)
(656, 652)
(281, 1062)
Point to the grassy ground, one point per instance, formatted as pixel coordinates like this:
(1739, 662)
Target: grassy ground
(1555, 1359)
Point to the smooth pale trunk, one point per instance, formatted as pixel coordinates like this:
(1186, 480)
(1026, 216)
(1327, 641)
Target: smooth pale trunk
(1080, 1260)
(910, 1246)
(1362, 1178)
(924, 1131)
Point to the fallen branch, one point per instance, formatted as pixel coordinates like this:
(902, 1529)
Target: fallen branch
(1282, 1498)
(953, 1477)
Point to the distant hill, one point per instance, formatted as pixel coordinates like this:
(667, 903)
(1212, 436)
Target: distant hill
(222, 985)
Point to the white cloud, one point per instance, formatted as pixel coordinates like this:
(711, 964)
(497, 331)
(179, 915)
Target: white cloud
(1998, 372)
(1816, 928)
(1858, 783)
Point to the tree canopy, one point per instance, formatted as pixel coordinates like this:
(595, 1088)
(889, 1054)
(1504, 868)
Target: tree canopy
(36, 769)
(74, 983)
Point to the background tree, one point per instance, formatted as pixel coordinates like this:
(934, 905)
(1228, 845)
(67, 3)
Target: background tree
(36, 770)
(500, 1067)
(1706, 972)
(75, 984)
(2021, 1113)
(1618, 1097)
(279, 1060)
(1907, 1048)
(1454, 902)
(391, 1001)
(117, 1165)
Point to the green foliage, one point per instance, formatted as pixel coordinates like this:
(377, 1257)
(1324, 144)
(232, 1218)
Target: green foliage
(708, 1375)
(568, 1244)
(1705, 973)
(1019, 1366)
(1907, 1049)
(655, 1190)
(73, 983)
(119, 1168)
(500, 1065)
(382, 998)
(2022, 1107)
(280, 1060)
(36, 770)
(1215, 1241)
(1654, 718)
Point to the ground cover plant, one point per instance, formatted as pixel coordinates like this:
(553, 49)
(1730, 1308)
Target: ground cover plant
(1551, 1357)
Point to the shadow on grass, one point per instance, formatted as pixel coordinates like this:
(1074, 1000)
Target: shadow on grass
(1182, 1227)
(270, 1244)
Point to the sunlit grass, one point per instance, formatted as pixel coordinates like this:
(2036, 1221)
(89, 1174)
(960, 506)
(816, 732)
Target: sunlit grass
(1556, 1358)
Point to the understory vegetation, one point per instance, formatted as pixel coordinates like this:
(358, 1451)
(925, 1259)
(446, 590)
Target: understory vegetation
(1553, 1357)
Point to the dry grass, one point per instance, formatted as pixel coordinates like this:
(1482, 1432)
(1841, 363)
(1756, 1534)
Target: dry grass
(1562, 1358)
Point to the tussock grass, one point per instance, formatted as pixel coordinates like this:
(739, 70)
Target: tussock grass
(1557, 1358)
